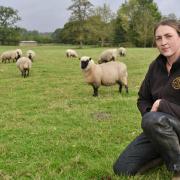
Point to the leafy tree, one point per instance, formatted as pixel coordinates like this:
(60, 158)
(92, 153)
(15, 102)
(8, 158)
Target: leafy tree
(81, 10)
(70, 32)
(57, 35)
(138, 18)
(120, 31)
(36, 36)
(101, 23)
(8, 18)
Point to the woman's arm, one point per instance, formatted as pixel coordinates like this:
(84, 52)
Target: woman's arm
(169, 108)
(144, 102)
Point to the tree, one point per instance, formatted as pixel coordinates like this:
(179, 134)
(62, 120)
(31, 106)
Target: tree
(101, 23)
(8, 18)
(170, 16)
(120, 30)
(57, 35)
(70, 33)
(139, 17)
(81, 10)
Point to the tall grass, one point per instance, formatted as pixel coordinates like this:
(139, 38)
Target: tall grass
(52, 128)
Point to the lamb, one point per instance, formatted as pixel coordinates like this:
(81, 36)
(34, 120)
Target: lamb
(31, 55)
(8, 55)
(122, 51)
(71, 53)
(24, 64)
(106, 74)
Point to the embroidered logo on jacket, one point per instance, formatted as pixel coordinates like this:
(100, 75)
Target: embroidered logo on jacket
(176, 83)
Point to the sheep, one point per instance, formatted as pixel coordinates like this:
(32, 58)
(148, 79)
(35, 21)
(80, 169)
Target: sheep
(8, 55)
(108, 55)
(71, 53)
(19, 52)
(122, 51)
(106, 74)
(24, 64)
(31, 55)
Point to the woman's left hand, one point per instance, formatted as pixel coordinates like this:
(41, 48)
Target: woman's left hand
(155, 106)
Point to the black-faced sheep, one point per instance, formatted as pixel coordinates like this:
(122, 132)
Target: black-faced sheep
(19, 53)
(24, 65)
(106, 74)
(71, 53)
(31, 55)
(122, 51)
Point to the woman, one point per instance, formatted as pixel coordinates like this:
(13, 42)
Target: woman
(159, 104)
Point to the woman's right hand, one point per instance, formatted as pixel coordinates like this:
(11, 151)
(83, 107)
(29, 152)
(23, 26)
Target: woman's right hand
(155, 106)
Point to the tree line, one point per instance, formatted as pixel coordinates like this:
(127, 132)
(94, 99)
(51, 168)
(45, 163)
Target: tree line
(131, 25)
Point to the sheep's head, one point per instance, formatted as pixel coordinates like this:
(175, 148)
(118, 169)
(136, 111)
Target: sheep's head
(86, 62)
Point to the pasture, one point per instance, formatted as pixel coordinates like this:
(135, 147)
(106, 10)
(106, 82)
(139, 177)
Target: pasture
(51, 127)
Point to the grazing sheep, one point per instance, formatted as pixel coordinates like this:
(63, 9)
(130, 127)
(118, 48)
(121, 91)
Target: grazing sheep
(106, 74)
(108, 55)
(122, 51)
(9, 55)
(71, 53)
(19, 53)
(24, 64)
(31, 55)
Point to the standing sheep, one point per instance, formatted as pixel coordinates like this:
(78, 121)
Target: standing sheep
(24, 64)
(9, 55)
(122, 51)
(106, 74)
(31, 55)
(71, 53)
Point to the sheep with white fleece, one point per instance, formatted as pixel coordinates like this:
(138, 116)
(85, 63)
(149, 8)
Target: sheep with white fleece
(24, 65)
(71, 53)
(122, 51)
(106, 74)
(31, 55)
(8, 56)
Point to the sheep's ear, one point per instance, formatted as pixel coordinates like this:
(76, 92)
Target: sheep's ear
(79, 58)
(90, 58)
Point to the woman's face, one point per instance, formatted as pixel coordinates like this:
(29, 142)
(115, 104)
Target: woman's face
(167, 41)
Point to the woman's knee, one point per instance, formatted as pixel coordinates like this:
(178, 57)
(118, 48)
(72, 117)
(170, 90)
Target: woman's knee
(148, 121)
(151, 120)
(123, 169)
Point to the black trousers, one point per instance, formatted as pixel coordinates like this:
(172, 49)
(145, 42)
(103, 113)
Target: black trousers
(160, 139)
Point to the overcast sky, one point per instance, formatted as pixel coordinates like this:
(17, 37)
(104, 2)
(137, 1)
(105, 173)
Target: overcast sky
(48, 15)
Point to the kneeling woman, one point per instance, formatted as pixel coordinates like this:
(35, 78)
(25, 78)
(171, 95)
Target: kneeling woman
(159, 104)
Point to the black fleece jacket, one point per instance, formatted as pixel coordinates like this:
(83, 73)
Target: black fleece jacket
(158, 84)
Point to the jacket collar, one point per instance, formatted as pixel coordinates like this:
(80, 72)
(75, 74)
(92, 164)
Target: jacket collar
(162, 59)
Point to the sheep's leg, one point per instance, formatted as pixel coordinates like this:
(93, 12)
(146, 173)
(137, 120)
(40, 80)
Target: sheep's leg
(24, 73)
(120, 86)
(113, 58)
(27, 72)
(126, 87)
(95, 90)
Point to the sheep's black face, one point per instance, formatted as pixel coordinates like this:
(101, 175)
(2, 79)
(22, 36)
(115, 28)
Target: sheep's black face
(18, 56)
(84, 64)
(30, 56)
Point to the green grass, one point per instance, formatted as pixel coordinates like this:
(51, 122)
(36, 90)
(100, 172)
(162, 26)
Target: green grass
(52, 128)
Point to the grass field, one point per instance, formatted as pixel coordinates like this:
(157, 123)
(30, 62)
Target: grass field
(52, 128)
